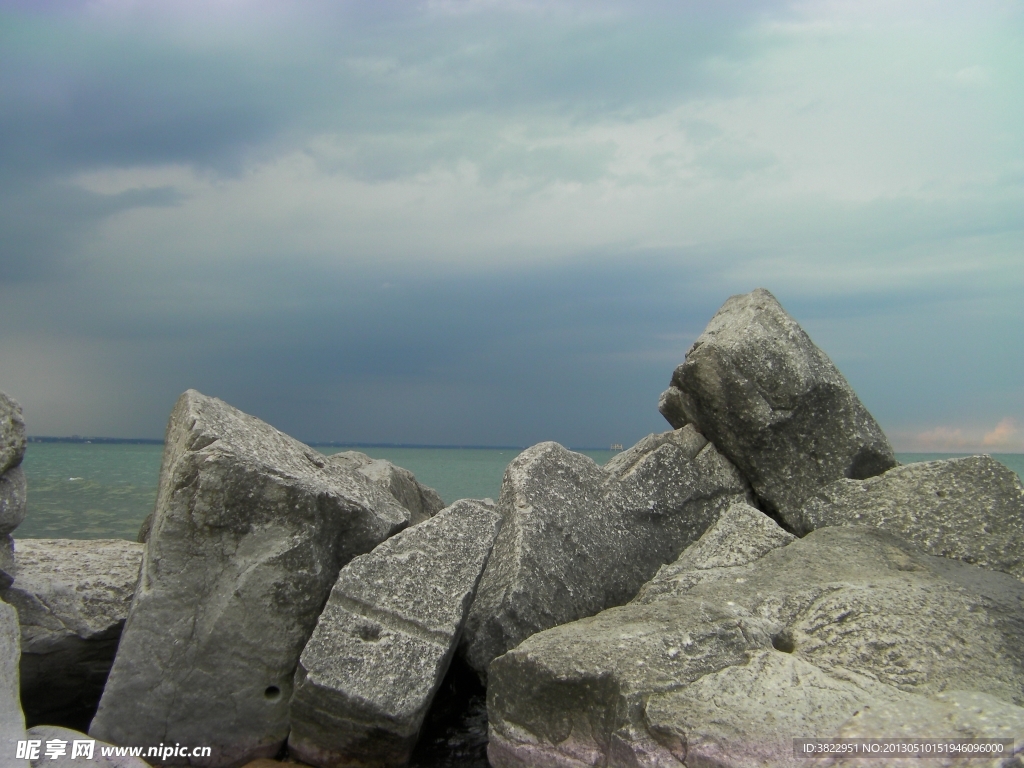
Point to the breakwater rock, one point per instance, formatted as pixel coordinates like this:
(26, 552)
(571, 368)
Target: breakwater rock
(249, 532)
(72, 599)
(761, 572)
(756, 386)
(579, 538)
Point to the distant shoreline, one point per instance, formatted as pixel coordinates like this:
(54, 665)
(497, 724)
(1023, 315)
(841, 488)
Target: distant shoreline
(340, 444)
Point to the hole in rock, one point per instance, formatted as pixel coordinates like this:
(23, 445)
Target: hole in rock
(454, 733)
(783, 642)
(368, 632)
(273, 693)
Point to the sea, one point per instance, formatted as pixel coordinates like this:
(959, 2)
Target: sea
(103, 490)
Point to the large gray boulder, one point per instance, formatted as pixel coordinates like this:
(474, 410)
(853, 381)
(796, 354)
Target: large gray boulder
(731, 665)
(12, 720)
(578, 538)
(385, 640)
(75, 759)
(969, 509)
(249, 532)
(12, 433)
(756, 385)
(421, 500)
(13, 494)
(947, 716)
(72, 598)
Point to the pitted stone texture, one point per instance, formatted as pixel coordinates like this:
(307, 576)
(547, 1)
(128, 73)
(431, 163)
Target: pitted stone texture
(385, 639)
(47, 733)
(969, 509)
(945, 716)
(12, 720)
(578, 539)
(756, 386)
(843, 618)
(249, 532)
(421, 500)
(72, 598)
(13, 493)
(12, 434)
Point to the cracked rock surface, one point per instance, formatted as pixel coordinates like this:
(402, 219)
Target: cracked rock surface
(579, 538)
(249, 531)
(385, 639)
(758, 388)
(724, 664)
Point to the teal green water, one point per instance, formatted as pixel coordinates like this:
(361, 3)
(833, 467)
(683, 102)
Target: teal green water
(98, 491)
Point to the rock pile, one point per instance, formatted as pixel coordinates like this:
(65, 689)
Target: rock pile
(762, 572)
(729, 654)
(578, 538)
(250, 530)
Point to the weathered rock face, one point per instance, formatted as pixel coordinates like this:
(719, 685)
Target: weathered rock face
(13, 493)
(730, 666)
(945, 716)
(969, 509)
(8, 565)
(249, 532)
(771, 401)
(386, 638)
(12, 434)
(71, 759)
(12, 721)
(578, 539)
(422, 501)
(72, 598)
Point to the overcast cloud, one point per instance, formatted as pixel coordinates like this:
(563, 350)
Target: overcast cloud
(504, 222)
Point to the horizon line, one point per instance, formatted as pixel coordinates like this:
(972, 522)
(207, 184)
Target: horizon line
(356, 444)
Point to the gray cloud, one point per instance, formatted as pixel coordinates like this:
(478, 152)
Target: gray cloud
(496, 223)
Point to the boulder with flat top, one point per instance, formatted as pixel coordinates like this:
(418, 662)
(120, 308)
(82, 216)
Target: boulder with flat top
(72, 598)
(756, 386)
(969, 509)
(249, 532)
(385, 639)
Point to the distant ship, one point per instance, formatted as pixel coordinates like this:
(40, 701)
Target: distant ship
(615, 447)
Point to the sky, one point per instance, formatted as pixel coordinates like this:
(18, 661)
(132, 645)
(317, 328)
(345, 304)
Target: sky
(497, 222)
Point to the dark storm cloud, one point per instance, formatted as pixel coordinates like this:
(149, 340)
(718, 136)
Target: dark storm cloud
(460, 222)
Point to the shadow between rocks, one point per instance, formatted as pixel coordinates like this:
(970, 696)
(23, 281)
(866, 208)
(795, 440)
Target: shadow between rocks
(454, 734)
